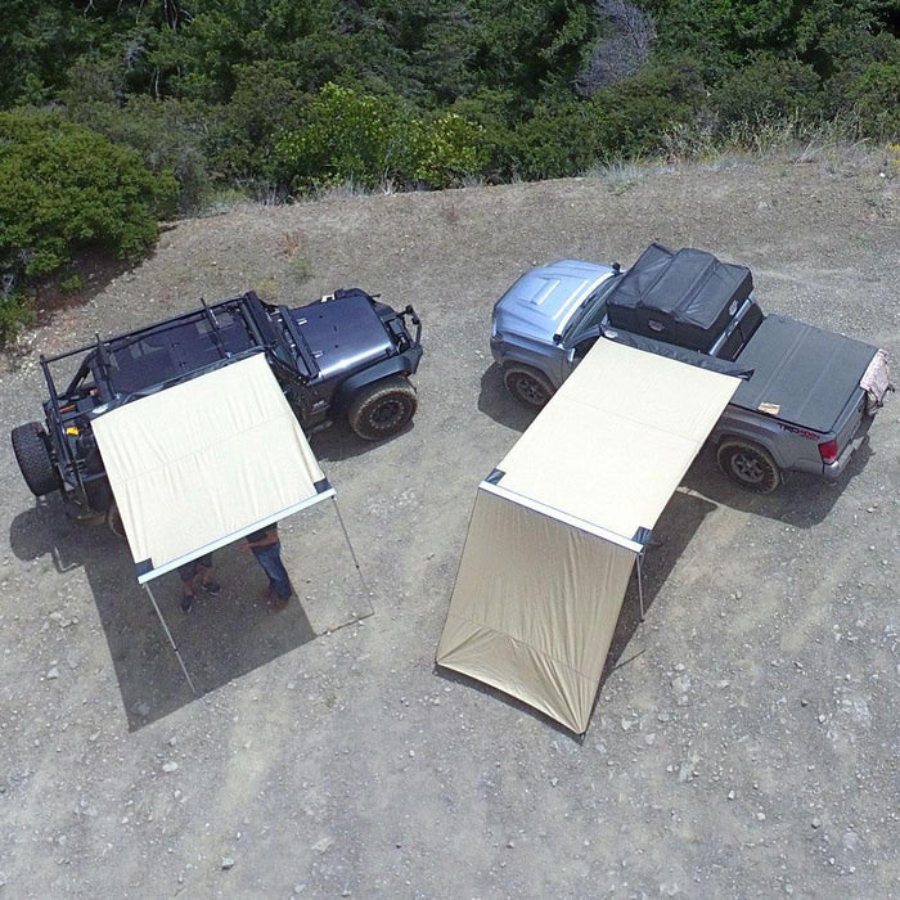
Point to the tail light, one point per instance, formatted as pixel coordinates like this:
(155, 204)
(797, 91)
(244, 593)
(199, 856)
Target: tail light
(828, 451)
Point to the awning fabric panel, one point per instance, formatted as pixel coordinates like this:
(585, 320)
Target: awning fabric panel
(554, 533)
(618, 437)
(534, 608)
(198, 465)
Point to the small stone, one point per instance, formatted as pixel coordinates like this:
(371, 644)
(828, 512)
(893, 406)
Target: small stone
(321, 845)
(761, 816)
(227, 863)
(53, 673)
(170, 767)
(816, 823)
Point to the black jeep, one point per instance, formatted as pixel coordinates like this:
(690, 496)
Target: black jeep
(346, 355)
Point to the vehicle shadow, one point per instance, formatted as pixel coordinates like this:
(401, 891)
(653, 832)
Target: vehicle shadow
(222, 638)
(338, 442)
(494, 401)
(802, 500)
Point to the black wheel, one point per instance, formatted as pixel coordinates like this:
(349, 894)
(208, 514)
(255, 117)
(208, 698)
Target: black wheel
(528, 386)
(382, 409)
(750, 466)
(33, 455)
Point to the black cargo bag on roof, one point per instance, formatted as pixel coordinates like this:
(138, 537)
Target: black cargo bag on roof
(686, 297)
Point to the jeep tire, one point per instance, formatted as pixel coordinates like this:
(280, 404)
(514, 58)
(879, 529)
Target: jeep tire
(33, 456)
(382, 409)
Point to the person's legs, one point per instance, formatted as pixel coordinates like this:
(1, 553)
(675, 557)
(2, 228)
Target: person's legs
(207, 582)
(269, 559)
(188, 573)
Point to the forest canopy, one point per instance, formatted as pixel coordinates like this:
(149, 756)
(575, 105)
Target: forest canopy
(279, 97)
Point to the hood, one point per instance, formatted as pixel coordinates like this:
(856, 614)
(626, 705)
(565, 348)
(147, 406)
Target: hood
(344, 333)
(543, 300)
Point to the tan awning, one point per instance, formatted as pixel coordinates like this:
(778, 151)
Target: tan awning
(201, 464)
(557, 527)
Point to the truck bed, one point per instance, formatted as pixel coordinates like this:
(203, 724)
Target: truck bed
(801, 374)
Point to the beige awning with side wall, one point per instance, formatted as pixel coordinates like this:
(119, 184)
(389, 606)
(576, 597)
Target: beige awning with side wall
(557, 527)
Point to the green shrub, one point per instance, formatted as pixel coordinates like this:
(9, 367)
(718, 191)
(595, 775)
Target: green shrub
(554, 143)
(64, 187)
(444, 150)
(15, 313)
(876, 100)
(769, 90)
(346, 136)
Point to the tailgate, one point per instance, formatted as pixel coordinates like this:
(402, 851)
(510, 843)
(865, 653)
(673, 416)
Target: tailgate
(802, 374)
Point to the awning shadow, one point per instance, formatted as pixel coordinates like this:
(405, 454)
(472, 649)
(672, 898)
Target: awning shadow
(223, 637)
(682, 517)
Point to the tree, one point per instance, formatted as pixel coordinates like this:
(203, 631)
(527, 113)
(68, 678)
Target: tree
(64, 188)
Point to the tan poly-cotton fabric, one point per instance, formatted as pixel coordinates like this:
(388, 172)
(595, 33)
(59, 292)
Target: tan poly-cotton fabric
(202, 463)
(550, 549)
(534, 608)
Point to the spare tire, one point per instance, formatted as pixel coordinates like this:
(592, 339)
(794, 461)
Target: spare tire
(33, 456)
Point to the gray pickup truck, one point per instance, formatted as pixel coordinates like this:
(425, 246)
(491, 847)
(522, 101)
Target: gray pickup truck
(807, 396)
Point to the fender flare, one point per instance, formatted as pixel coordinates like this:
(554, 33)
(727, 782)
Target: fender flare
(396, 365)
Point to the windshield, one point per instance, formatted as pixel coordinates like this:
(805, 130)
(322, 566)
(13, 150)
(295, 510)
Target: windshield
(591, 312)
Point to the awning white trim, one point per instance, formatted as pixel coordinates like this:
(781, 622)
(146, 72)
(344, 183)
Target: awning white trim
(235, 536)
(545, 510)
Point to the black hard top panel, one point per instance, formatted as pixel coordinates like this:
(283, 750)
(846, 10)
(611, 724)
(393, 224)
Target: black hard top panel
(805, 373)
(690, 286)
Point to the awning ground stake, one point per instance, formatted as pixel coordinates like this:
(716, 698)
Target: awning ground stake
(171, 639)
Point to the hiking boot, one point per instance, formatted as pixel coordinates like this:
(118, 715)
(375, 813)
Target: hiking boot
(187, 601)
(277, 603)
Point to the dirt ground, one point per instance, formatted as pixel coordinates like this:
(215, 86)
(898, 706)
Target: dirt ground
(745, 742)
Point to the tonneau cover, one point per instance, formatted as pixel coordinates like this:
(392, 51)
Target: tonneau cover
(687, 297)
(801, 374)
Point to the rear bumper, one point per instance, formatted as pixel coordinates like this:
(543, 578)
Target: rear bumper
(834, 470)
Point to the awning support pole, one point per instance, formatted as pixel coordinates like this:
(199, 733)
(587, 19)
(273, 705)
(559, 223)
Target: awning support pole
(171, 639)
(337, 509)
(640, 569)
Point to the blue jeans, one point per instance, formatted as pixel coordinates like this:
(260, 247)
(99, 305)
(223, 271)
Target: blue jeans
(270, 560)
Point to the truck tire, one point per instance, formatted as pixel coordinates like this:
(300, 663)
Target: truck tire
(33, 456)
(382, 409)
(528, 386)
(749, 465)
